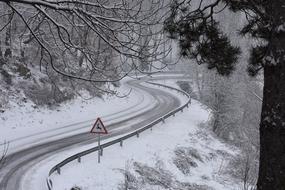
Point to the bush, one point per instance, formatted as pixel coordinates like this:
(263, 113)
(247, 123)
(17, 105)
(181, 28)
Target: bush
(3, 100)
(184, 85)
(75, 188)
(186, 159)
(46, 95)
(23, 71)
(6, 76)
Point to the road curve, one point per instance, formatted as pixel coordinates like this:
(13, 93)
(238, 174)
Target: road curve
(18, 163)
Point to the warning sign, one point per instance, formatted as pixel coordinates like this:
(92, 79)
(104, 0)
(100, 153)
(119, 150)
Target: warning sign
(99, 127)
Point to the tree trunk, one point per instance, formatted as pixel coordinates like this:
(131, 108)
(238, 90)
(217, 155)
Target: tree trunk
(272, 126)
(1, 54)
(272, 131)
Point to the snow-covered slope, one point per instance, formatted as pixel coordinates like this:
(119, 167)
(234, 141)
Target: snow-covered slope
(180, 154)
(22, 126)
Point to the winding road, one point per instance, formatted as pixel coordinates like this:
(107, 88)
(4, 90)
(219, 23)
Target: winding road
(18, 163)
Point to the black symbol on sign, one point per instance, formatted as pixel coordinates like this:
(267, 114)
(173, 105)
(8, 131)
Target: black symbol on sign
(98, 126)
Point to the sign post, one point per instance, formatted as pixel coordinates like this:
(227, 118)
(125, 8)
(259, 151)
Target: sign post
(99, 151)
(99, 128)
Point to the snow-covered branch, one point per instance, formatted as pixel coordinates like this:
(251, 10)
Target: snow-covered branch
(91, 40)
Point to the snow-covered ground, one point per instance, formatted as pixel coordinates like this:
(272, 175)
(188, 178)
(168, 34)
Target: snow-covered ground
(35, 178)
(179, 153)
(25, 125)
(174, 155)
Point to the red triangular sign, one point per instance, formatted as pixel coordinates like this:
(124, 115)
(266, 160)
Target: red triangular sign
(99, 127)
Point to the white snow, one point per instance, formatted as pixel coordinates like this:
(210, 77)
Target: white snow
(38, 171)
(158, 144)
(281, 28)
(23, 126)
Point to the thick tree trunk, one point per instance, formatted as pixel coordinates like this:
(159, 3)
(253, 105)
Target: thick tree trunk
(272, 126)
(1, 54)
(272, 131)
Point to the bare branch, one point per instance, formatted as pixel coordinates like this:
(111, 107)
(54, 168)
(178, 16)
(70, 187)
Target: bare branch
(58, 28)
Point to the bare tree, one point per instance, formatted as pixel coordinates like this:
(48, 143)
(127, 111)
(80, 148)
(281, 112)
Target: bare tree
(91, 40)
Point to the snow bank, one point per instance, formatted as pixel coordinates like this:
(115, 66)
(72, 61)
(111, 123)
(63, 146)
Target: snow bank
(25, 125)
(156, 146)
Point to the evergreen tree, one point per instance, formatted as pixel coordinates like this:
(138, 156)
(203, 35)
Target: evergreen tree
(195, 26)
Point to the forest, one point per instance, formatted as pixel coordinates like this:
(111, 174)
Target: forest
(232, 51)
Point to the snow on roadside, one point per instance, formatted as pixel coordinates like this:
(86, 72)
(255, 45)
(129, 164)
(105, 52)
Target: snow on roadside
(153, 147)
(35, 177)
(24, 125)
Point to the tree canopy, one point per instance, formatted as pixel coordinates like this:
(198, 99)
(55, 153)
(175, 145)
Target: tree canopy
(195, 26)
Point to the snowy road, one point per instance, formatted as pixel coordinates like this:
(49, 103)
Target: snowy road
(19, 163)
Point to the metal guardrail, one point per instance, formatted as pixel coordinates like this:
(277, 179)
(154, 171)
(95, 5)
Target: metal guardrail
(57, 167)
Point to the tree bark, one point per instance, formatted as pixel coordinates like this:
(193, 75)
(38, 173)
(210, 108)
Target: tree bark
(272, 131)
(272, 126)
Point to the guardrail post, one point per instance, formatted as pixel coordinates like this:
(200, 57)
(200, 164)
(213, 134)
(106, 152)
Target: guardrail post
(49, 184)
(163, 121)
(121, 143)
(50, 181)
(79, 159)
(58, 170)
(138, 135)
(181, 110)
(187, 105)
(173, 115)
(101, 151)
